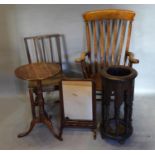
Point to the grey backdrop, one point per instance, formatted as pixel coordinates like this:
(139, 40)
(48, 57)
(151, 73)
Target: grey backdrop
(18, 21)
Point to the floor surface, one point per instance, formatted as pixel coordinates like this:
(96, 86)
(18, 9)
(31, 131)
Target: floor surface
(15, 117)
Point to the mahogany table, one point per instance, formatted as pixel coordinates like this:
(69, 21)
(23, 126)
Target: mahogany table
(38, 72)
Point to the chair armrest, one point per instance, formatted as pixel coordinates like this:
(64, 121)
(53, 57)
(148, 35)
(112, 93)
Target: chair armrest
(131, 58)
(82, 57)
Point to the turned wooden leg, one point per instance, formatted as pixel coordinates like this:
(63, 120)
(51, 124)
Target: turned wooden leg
(106, 109)
(48, 123)
(33, 122)
(118, 101)
(94, 133)
(43, 117)
(60, 133)
(128, 111)
(32, 103)
(61, 129)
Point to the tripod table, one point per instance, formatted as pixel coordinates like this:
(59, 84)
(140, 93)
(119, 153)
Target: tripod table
(38, 72)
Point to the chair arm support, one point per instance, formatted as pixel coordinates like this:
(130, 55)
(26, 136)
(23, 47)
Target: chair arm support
(82, 57)
(131, 58)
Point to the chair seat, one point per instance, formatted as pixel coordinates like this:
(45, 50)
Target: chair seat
(98, 81)
(47, 82)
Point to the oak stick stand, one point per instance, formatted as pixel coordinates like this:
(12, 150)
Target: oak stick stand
(118, 94)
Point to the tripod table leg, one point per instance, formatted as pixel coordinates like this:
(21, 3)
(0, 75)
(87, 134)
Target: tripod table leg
(33, 122)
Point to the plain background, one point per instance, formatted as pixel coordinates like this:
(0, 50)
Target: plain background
(19, 21)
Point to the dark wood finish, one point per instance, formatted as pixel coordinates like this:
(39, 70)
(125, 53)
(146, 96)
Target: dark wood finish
(75, 123)
(45, 49)
(38, 72)
(118, 83)
(106, 31)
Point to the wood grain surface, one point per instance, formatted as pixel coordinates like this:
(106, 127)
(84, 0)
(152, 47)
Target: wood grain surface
(37, 71)
(109, 14)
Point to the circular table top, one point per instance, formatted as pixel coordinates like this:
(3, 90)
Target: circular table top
(37, 71)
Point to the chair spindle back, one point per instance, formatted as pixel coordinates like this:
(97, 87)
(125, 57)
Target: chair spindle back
(44, 48)
(108, 35)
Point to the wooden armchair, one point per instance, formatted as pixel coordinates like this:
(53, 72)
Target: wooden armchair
(108, 38)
